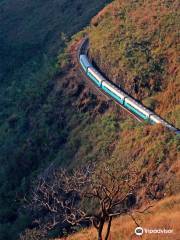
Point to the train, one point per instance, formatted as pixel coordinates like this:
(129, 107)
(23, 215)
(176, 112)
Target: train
(120, 96)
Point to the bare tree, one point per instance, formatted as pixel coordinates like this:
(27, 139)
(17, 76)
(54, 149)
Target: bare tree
(86, 195)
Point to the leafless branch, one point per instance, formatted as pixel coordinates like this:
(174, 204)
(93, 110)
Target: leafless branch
(60, 195)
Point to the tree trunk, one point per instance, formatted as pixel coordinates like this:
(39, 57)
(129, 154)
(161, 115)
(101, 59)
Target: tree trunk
(108, 228)
(100, 229)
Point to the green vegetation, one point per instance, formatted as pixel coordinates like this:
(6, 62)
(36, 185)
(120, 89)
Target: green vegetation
(32, 124)
(49, 115)
(90, 142)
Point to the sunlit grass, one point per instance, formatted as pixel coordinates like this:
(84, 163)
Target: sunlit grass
(164, 214)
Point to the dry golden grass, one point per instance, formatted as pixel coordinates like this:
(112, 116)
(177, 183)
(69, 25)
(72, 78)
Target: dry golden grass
(164, 214)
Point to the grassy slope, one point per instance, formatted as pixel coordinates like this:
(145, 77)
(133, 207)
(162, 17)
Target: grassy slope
(136, 43)
(154, 65)
(164, 214)
(113, 137)
(31, 118)
(152, 147)
(93, 129)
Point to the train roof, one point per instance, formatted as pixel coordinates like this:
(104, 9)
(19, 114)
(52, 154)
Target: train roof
(160, 120)
(85, 60)
(115, 89)
(96, 73)
(130, 100)
(138, 106)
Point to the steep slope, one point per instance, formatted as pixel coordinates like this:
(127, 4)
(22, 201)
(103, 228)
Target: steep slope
(102, 132)
(59, 118)
(164, 214)
(128, 42)
(136, 44)
(29, 28)
(133, 46)
(31, 119)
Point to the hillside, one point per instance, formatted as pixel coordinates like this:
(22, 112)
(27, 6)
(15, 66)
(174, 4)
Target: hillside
(31, 118)
(136, 44)
(133, 47)
(31, 28)
(156, 148)
(102, 132)
(53, 117)
(164, 214)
